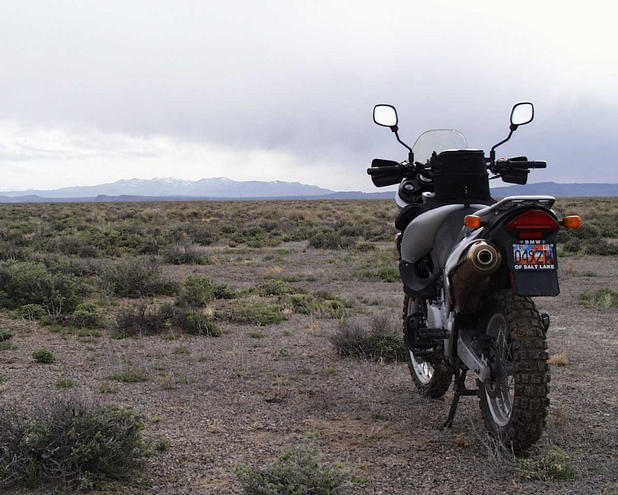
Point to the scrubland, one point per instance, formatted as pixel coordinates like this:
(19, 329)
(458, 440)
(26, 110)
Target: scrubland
(246, 347)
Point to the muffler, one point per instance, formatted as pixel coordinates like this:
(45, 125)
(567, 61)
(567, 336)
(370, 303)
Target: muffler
(472, 275)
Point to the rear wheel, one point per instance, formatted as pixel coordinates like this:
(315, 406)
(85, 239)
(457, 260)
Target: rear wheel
(431, 375)
(514, 402)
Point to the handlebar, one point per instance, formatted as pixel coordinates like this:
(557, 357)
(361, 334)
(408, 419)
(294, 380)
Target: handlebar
(526, 164)
(515, 163)
(388, 170)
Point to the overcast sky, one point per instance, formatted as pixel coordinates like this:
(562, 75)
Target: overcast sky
(96, 91)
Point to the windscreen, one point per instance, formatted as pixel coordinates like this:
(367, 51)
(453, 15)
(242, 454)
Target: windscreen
(437, 140)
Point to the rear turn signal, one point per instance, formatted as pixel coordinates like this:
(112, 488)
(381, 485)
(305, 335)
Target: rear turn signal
(473, 221)
(572, 222)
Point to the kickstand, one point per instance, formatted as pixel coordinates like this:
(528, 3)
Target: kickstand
(459, 389)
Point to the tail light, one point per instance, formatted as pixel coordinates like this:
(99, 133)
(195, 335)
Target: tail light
(532, 224)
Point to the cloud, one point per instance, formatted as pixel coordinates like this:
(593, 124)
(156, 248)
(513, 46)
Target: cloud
(48, 158)
(295, 81)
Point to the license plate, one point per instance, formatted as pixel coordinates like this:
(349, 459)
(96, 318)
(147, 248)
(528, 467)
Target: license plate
(534, 255)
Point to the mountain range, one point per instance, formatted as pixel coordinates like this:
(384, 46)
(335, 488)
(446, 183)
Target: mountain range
(222, 188)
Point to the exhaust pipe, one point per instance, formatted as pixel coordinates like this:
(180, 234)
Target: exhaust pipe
(472, 275)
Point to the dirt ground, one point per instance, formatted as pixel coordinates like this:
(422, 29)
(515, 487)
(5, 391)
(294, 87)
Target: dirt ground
(238, 400)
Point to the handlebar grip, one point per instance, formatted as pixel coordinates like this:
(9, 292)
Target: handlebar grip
(386, 170)
(378, 162)
(526, 164)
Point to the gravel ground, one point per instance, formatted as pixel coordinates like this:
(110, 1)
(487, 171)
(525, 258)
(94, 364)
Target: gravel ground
(235, 400)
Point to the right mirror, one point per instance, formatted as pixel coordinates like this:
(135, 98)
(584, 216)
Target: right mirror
(522, 113)
(385, 115)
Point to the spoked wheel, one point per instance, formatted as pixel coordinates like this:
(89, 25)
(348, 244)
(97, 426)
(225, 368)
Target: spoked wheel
(514, 402)
(431, 375)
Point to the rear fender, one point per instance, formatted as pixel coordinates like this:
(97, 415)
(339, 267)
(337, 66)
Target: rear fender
(530, 282)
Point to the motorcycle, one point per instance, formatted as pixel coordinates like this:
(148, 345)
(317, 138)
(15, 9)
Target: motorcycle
(470, 266)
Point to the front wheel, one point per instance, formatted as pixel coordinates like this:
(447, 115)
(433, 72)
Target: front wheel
(514, 401)
(432, 377)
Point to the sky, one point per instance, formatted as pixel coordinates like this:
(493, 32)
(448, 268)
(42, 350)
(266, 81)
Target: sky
(93, 92)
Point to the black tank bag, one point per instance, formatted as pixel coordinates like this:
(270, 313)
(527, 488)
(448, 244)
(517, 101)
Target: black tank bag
(460, 176)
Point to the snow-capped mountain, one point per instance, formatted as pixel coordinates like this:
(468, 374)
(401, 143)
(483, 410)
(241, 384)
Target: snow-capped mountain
(217, 187)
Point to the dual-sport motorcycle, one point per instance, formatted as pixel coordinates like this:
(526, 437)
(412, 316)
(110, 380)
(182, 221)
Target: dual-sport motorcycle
(469, 267)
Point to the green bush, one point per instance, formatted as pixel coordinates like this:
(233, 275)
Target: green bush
(43, 356)
(149, 320)
(32, 311)
(29, 282)
(65, 383)
(71, 444)
(199, 290)
(136, 277)
(143, 319)
(274, 287)
(295, 473)
(185, 254)
(552, 466)
(129, 374)
(601, 299)
(389, 274)
(331, 240)
(321, 305)
(5, 335)
(377, 339)
(600, 247)
(257, 313)
(86, 315)
(197, 323)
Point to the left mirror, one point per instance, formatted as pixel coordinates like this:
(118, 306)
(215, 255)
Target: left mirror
(522, 113)
(385, 115)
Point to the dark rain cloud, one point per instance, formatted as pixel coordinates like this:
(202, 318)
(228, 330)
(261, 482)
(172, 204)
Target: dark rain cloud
(302, 77)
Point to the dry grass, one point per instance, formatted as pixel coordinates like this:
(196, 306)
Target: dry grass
(559, 359)
(240, 400)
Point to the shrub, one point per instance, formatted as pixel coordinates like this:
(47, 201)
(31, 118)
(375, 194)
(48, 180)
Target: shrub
(331, 240)
(377, 339)
(197, 323)
(32, 311)
(65, 383)
(297, 472)
(86, 315)
(222, 291)
(43, 356)
(130, 374)
(389, 274)
(185, 254)
(106, 388)
(552, 466)
(143, 319)
(601, 247)
(320, 305)
(601, 299)
(274, 287)
(71, 443)
(148, 320)
(199, 290)
(136, 277)
(5, 335)
(257, 313)
(31, 283)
